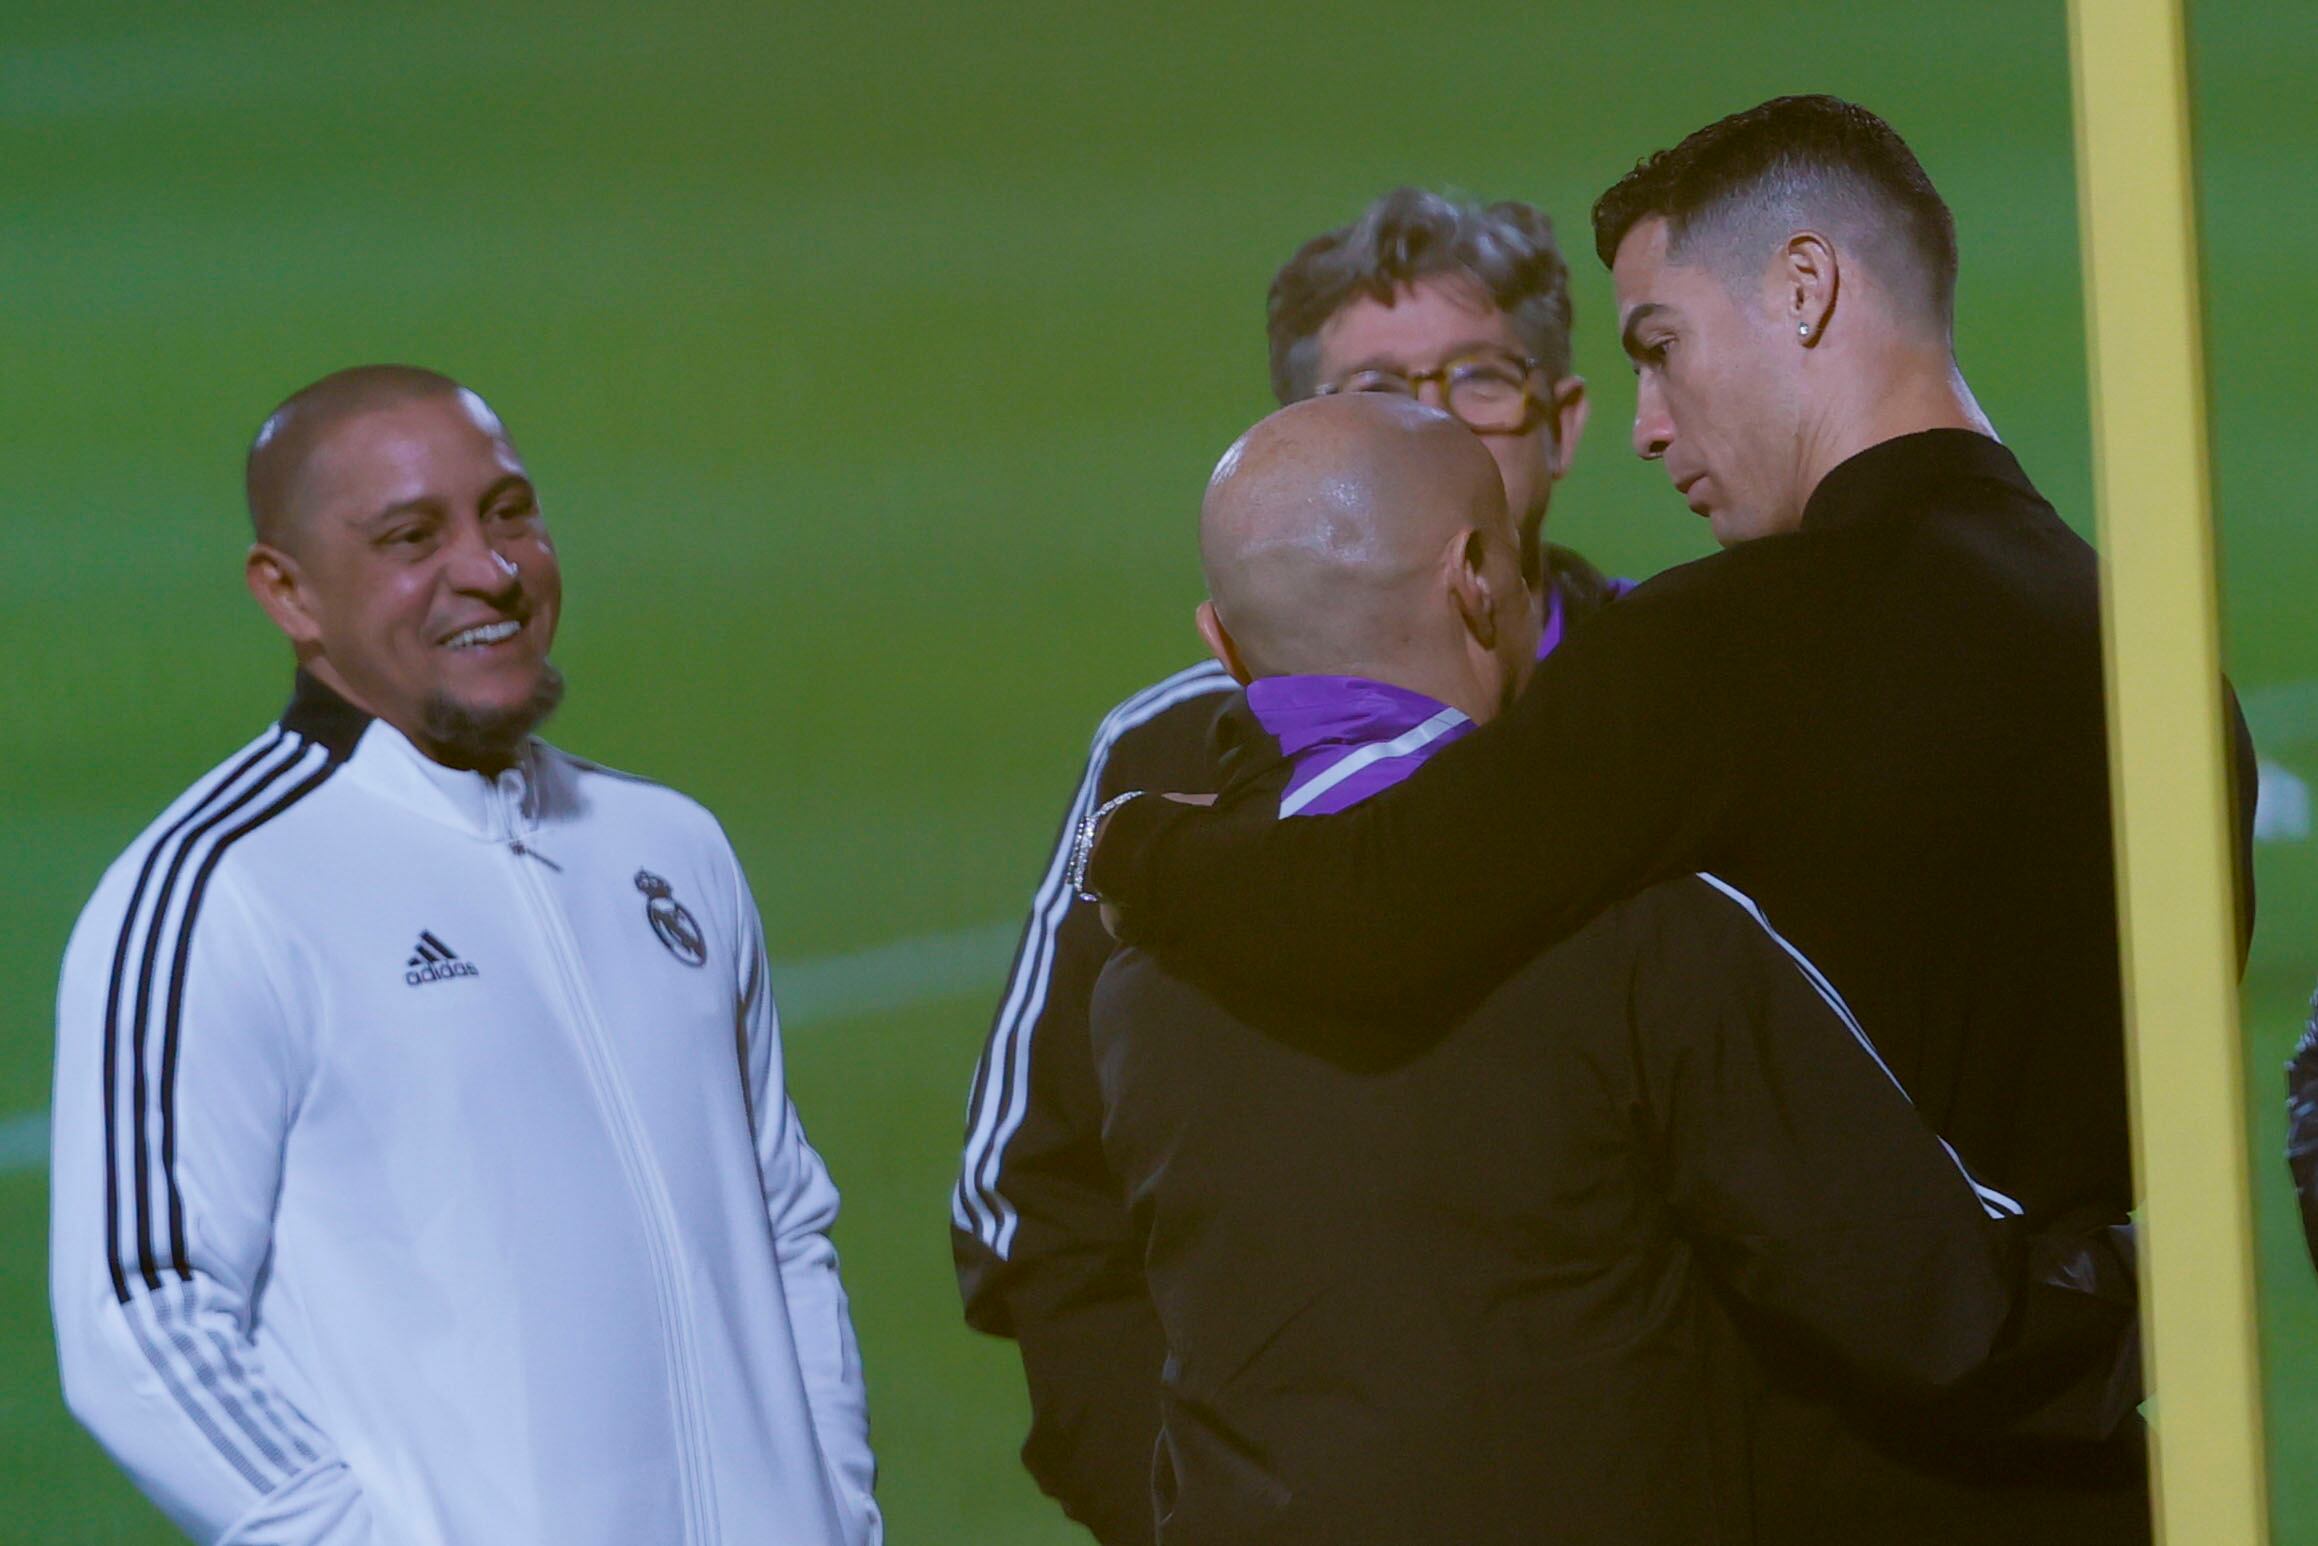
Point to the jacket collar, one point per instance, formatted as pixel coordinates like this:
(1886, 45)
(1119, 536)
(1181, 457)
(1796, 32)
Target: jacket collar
(322, 716)
(1913, 473)
(386, 761)
(1307, 713)
(1347, 737)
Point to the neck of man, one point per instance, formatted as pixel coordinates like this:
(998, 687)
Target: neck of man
(1382, 628)
(487, 758)
(1459, 690)
(1901, 389)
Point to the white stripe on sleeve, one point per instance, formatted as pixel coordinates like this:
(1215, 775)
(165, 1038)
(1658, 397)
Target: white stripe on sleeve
(1002, 1083)
(1995, 1203)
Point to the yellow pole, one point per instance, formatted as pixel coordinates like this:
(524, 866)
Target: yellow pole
(2171, 789)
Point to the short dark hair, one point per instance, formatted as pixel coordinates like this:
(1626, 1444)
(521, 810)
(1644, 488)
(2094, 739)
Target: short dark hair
(1793, 159)
(1506, 248)
(288, 438)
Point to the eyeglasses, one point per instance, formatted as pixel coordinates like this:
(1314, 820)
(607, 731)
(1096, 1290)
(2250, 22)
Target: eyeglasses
(1488, 392)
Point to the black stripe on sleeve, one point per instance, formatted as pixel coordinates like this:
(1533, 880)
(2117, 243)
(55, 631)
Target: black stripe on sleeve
(148, 963)
(113, 1003)
(179, 1258)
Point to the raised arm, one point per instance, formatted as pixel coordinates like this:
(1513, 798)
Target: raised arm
(1815, 1191)
(177, 1070)
(1614, 769)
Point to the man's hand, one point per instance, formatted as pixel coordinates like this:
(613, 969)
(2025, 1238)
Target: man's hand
(1110, 913)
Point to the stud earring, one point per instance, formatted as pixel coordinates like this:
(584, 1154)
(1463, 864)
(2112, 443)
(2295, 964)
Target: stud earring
(1802, 330)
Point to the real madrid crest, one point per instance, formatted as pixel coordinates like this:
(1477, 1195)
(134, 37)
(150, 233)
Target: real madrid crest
(675, 926)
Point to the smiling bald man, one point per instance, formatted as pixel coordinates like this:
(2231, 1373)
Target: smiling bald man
(357, 559)
(424, 1170)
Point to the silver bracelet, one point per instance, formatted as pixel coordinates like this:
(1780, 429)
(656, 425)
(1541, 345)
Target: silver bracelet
(1082, 843)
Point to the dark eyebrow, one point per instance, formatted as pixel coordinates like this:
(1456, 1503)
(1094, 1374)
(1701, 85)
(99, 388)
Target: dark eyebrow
(1459, 351)
(513, 480)
(428, 504)
(1634, 319)
(425, 504)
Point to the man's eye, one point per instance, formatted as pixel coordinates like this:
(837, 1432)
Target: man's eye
(1485, 381)
(1378, 381)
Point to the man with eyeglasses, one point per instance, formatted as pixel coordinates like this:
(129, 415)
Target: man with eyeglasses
(1462, 306)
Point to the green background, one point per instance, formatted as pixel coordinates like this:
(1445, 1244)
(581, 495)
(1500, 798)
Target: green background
(870, 359)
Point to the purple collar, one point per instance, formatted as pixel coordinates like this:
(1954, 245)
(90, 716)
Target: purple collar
(1348, 737)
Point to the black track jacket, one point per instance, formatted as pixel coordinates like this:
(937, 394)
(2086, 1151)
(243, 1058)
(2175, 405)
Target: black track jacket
(1485, 1293)
(1038, 1226)
(1886, 727)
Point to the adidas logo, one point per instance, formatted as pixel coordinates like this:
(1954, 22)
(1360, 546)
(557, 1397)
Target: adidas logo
(434, 961)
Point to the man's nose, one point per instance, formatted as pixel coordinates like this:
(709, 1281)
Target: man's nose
(1653, 428)
(477, 565)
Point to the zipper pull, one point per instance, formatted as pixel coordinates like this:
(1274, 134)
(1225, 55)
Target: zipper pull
(522, 850)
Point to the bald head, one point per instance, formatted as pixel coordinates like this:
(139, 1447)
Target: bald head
(286, 443)
(1326, 528)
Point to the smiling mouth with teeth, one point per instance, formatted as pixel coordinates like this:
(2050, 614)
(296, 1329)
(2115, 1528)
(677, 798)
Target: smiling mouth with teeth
(482, 634)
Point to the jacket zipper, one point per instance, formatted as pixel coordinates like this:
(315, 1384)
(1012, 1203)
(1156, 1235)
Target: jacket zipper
(644, 1177)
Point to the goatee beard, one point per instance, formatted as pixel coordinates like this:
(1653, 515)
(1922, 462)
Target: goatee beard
(487, 740)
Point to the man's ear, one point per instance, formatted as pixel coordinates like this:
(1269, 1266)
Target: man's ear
(1465, 562)
(1808, 273)
(1567, 405)
(278, 585)
(1220, 643)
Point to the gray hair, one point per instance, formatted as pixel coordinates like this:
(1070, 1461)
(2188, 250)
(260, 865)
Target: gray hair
(1507, 249)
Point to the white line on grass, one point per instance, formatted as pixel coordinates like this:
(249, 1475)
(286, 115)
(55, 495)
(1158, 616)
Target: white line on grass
(23, 1141)
(893, 976)
(873, 981)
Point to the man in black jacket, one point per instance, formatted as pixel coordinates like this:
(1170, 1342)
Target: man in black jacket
(1879, 713)
(1493, 1289)
(1460, 304)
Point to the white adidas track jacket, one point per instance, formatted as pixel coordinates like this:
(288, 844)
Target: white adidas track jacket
(424, 1173)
